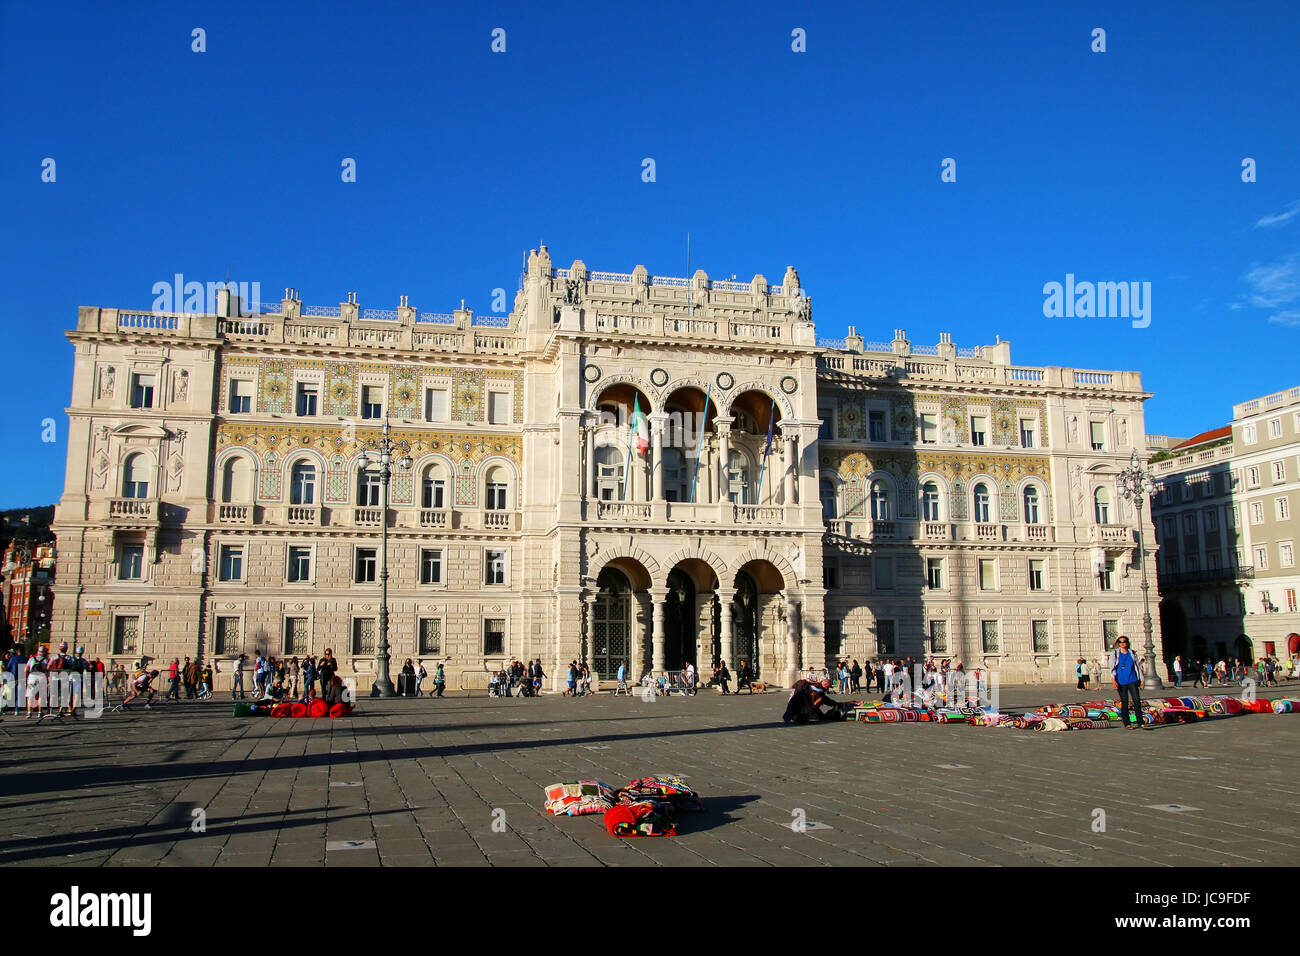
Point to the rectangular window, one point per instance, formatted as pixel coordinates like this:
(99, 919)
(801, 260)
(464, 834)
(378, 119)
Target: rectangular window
(1256, 512)
(1283, 507)
(929, 428)
(431, 636)
(495, 571)
(826, 430)
(430, 565)
(232, 563)
(433, 493)
(1212, 560)
(241, 396)
(876, 425)
(130, 564)
(1109, 633)
(1193, 562)
(1027, 426)
(834, 639)
(1286, 554)
(1279, 472)
(1037, 575)
(1042, 644)
(126, 634)
(367, 566)
(934, 573)
(830, 574)
(1252, 477)
(1275, 428)
(496, 496)
(938, 637)
(1218, 603)
(142, 387)
(989, 637)
(499, 411)
(372, 401)
(364, 632)
(1098, 435)
(299, 565)
(308, 396)
(988, 574)
(1105, 581)
(979, 429)
(1261, 557)
(227, 640)
(1291, 600)
(435, 405)
(295, 635)
(494, 636)
(1189, 523)
(1211, 521)
(885, 637)
(883, 573)
(1196, 605)
(1248, 434)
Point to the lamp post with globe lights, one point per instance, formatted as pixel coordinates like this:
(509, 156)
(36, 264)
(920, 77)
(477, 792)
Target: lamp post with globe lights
(1137, 485)
(381, 455)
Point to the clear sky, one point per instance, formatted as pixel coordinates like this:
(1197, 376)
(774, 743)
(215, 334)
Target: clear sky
(1115, 166)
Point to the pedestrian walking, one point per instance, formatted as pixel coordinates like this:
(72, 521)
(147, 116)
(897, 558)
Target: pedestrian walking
(439, 680)
(1178, 670)
(237, 678)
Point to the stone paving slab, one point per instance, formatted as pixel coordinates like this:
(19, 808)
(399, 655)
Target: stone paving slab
(433, 781)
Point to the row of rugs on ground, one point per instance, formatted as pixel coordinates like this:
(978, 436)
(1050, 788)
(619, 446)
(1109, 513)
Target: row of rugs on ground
(646, 807)
(1090, 715)
(317, 708)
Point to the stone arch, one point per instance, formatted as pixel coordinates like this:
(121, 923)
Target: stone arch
(715, 562)
(774, 558)
(754, 385)
(225, 460)
(624, 553)
(597, 389)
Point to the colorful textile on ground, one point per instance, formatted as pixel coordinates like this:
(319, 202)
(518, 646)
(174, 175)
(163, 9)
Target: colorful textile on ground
(674, 790)
(578, 798)
(1287, 705)
(643, 818)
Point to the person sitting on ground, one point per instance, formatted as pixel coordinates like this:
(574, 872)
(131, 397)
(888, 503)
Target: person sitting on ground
(811, 701)
(336, 692)
(142, 685)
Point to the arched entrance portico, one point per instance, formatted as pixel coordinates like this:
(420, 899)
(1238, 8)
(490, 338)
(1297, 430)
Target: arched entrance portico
(611, 623)
(758, 614)
(688, 615)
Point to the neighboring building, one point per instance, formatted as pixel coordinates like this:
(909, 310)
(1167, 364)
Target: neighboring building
(1227, 535)
(556, 506)
(27, 572)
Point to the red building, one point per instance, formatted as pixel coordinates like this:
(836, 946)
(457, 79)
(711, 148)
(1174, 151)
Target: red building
(27, 572)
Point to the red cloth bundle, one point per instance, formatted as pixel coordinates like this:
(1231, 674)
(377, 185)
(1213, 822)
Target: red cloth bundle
(643, 818)
(317, 708)
(298, 709)
(281, 710)
(341, 710)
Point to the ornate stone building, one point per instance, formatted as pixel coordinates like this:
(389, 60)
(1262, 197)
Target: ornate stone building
(626, 467)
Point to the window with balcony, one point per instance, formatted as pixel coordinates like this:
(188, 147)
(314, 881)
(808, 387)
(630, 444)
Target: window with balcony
(241, 396)
(931, 509)
(739, 491)
(142, 388)
(1037, 574)
(302, 484)
(236, 480)
(307, 399)
(881, 510)
(981, 498)
(934, 573)
(231, 563)
(436, 405)
(299, 565)
(1028, 428)
(830, 500)
(988, 574)
(130, 562)
(433, 488)
(1097, 434)
(1031, 505)
(430, 565)
(979, 429)
(136, 474)
(1101, 506)
(368, 485)
(496, 491)
(876, 425)
(609, 473)
(366, 566)
(929, 426)
(372, 401)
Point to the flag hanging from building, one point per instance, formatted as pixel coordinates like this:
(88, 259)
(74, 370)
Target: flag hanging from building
(640, 427)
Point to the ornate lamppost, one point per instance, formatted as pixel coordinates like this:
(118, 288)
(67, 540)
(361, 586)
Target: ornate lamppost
(1137, 484)
(382, 456)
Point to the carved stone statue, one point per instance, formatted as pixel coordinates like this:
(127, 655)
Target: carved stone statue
(1074, 429)
(571, 294)
(1123, 432)
(183, 386)
(106, 381)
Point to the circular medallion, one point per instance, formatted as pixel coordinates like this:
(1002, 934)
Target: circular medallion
(659, 377)
(789, 385)
(591, 373)
(725, 381)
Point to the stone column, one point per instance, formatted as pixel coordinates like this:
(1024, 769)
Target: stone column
(724, 457)
(789, 462)
(589, 490)
(587, 648)
(791, 642)
(724, 624)
(657, 454)
(659, 597)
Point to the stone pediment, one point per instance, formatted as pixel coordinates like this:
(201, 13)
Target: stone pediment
(141, 431)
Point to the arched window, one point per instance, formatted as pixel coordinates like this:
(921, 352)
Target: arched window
(1031, 505)
(433, 487)
(1101, 506)
(981, 512)
(236, 480)
(367, 488)
(930, 508)
(738, 489)
(302, 484)
(880, 509)
(609, 473)
(830, 500)
(136, 473)
(495, 490)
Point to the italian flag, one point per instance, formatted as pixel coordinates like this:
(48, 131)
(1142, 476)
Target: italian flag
(640, 427)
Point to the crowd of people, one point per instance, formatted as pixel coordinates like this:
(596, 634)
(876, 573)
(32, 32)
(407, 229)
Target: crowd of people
(525, 680)
(28, 681)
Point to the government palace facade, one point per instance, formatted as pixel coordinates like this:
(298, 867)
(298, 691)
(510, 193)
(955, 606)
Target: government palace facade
(626, 468)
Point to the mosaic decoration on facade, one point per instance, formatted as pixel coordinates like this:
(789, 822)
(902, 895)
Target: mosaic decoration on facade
(954, 416)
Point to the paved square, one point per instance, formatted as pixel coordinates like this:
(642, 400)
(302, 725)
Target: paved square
(409, 782)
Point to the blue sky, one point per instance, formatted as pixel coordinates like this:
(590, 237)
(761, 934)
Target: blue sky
(1115, 166)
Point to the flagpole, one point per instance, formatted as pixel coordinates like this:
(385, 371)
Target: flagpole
(699, 440)
(767, 450)
(627, 462)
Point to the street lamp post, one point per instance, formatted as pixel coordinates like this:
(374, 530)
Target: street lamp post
(1137, 484)
(382, 455)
